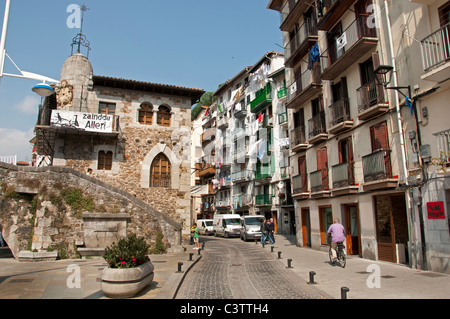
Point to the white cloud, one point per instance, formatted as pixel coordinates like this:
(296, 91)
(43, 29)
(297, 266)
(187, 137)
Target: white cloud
(14, 142)
(29, 104)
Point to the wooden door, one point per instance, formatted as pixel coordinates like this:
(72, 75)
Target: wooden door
(302, 172)
(306, 227)
(352, 230)
(322, 165)
(380, 140)
(385, 229)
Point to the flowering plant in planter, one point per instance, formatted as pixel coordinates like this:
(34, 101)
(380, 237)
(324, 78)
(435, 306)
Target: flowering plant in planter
(129, 252)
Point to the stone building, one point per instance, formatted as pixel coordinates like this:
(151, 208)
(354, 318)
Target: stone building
(133, 135)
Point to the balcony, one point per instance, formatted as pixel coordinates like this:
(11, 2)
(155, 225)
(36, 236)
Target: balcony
(331, 12)
(344, 179)
(358, 41)
(283, 119)
(300, 187)
(340, 116)
(208, 135)
(241, 154)
(282, 93)
(241, 176)
(223, 202)
(371, 101)
(319, 184)
(304, 87)
(263, 200)
(317, 128)
(207, 167)
(263, 174)
(222, 122)
(377, 170)
(298, 139)
(285, 172)
(242, 200)
(435, 50)
(300, 44)
(291, 13)
(263, 99)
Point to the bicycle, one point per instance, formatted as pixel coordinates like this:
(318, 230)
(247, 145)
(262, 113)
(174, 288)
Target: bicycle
(340, 254)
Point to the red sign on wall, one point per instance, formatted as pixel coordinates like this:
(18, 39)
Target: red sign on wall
(435, 210)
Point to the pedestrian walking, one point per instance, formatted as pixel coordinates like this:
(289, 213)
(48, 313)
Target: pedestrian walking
(265, 233)
(272, 230)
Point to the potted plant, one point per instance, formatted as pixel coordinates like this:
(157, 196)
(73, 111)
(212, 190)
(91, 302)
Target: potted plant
(129, 268)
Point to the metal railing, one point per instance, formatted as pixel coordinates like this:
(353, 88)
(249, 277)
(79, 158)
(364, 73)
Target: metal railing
(244, 175)
(319, 180)
(343, 175)
(298, 186)
(435, 48)
(303, 81)
(377, 165)
(9, 159)
(282, 118)
(355, 31)
(263, 199)
(308, 28)
(369, 94)
(316, 124)
(340, 111)
(443, 146)
(298, 136)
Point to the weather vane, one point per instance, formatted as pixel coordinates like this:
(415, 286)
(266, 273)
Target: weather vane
(80, 39)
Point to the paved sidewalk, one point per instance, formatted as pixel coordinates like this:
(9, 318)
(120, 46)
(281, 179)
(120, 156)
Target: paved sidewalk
(48, 280)
(395, 282)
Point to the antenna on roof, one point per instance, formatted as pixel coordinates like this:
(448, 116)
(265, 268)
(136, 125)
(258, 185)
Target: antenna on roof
(80, 39)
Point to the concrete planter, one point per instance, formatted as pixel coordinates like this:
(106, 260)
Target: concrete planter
(126, 283)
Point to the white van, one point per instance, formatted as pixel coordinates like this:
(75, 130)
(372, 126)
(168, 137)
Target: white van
(251, 227)
(227, 225)
(205, 226)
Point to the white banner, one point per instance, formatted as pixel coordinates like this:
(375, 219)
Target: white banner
(91, 122)
(341, 41)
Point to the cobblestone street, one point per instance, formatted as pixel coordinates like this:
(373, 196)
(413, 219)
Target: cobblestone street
(233, 269)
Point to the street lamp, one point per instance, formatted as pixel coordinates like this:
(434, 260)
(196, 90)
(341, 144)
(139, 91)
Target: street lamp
(42, 89)
(383, 75)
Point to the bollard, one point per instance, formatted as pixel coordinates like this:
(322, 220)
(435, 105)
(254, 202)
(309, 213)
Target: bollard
(179, 266)
(271, 249)
(198, 251)
(279, 255)
(344, 291)
(311, 278)
(289, 261)
(203, 245)
(190, 256)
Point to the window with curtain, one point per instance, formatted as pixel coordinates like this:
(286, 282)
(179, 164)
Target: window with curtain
(146, 114)
(105, 160)
(160, 172)
(164, 116)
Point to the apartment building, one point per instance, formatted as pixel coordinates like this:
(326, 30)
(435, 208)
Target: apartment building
(361, 148)
(241, 138)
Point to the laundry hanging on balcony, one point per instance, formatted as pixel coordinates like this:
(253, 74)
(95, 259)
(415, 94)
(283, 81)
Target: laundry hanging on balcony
(314, 56)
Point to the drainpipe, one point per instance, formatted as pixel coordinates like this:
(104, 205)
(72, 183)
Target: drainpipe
(397, 105)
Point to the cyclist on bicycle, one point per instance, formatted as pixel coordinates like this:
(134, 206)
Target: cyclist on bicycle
(337, 233)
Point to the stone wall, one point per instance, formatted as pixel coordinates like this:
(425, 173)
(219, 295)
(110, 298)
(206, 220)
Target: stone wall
(45, 209)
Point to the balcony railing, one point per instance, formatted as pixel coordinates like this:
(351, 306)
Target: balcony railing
(241, 175)
(223, 202)
(308, 79)
(343, 175)
(299, 184)
(443, 145)
(285, 172)
(241, 199)
(281, 93)
(287, 8)
(262, 99)
(316, 125)
(340, 111)
(263, 172)
(319, 180)
(306, 30)
(436, 48)
(298, 136)
(377, 165)
(282, 118)
(263, 199)
(208, 134)
(357, 38)
(368, 95)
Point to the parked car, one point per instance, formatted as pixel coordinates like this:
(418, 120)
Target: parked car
(250, 227)
(205, 226)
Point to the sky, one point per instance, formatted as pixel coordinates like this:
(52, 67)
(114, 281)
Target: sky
(192, 43)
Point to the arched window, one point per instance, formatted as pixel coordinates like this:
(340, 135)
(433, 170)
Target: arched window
(160, 171)
(164, 116)
(146, 113)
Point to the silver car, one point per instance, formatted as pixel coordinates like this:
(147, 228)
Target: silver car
(250, 227)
